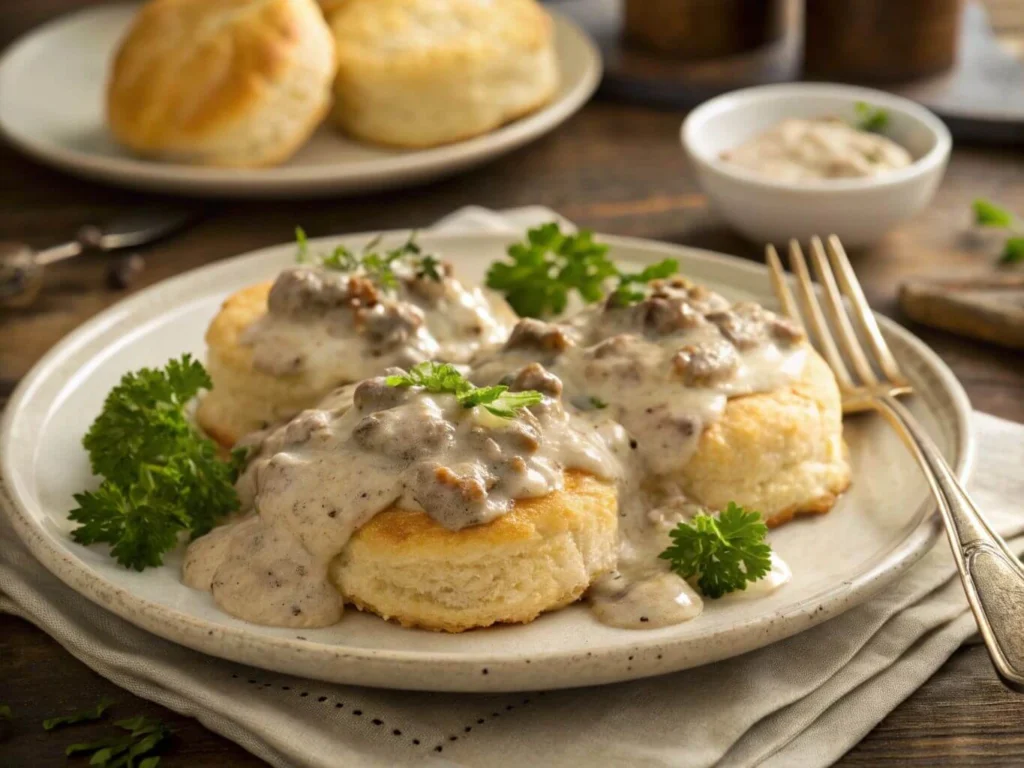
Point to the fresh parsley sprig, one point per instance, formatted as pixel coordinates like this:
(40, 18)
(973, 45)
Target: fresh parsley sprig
(130, 750)
(161, 477)
(723, 553)
(85, 716)
(443, 378)
(626, 293)
(869, 118)
(988, 214)
(378, 266)
(550, 264)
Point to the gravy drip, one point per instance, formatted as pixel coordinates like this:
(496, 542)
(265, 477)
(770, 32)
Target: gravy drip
(314, 481)
(651, 377)
(335, 327)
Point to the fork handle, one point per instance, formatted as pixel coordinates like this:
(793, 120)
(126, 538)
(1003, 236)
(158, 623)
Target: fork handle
(993, 577)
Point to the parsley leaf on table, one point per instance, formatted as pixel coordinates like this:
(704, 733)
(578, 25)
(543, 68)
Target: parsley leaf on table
(988, 214)
(161, 477)
(724, 553)
(1013, 251)
(443, 378)
(84, 716)
(871, 119)
(550, 265)
(5, 712)
(123, 751)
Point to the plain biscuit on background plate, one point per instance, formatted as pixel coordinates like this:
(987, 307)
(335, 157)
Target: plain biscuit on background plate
(419, 73)
(225, 82)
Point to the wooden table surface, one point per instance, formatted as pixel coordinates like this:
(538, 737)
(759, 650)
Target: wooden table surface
(616, 168)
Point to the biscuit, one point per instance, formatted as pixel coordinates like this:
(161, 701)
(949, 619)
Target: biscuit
(778, 452)
(228, 83)
(540, 556)
(420, 73)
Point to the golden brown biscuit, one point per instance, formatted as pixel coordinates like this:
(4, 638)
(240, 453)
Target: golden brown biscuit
(243, 399)
(540, 556)
(229, 83)
(419, 73)
(779, 452)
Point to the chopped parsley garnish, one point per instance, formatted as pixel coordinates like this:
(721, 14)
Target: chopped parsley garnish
(723, 553)
(130, 750)
(161, 477)
(550, 265)
(871, 119)
(85, 716)
(378, 266)
(598, 403)
(443, 378)
(988, 214)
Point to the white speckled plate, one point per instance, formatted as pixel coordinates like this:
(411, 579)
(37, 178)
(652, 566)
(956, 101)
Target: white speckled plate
(878, 529)
(51, 107)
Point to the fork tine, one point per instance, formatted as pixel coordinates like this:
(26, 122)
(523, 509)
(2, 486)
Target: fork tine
(852, 290)
(781, 285)
(848, 340)
(828, 345)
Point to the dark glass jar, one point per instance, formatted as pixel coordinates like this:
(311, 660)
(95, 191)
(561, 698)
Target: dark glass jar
(880, 40)
(702, 29)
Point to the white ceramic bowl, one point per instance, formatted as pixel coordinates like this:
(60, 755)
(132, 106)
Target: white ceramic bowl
(859, 211)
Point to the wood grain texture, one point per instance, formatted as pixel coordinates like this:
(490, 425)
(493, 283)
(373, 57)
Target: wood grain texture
(616, 168)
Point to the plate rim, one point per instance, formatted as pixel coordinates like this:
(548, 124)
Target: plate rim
(239, 645)
(411, 167)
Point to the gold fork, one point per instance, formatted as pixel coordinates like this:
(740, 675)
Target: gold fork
(992, 576)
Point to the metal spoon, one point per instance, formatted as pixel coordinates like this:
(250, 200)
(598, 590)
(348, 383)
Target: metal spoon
(21, 268)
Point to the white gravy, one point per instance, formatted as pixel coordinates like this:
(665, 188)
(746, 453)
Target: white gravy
(335, 327)
(823, 148)
(392, 447)
(627, 393)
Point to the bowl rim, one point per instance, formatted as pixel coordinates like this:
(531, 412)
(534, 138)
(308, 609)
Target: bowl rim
(742, 98)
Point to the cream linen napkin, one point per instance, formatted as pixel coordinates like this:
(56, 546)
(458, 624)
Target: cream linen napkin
(801, 702)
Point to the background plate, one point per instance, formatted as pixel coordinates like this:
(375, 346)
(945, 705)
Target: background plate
(52, 83)
(876, 531)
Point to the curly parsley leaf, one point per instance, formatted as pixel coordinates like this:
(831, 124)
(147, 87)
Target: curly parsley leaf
(499, 401)
(440, 378)
(871, 119)
(443, 378)
(1013, 251)
(85, 716)
(723, 553)
(428, 268)
(161, 477)
(131, 750)
(550, 265)
(627, 293)
(988, 214)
